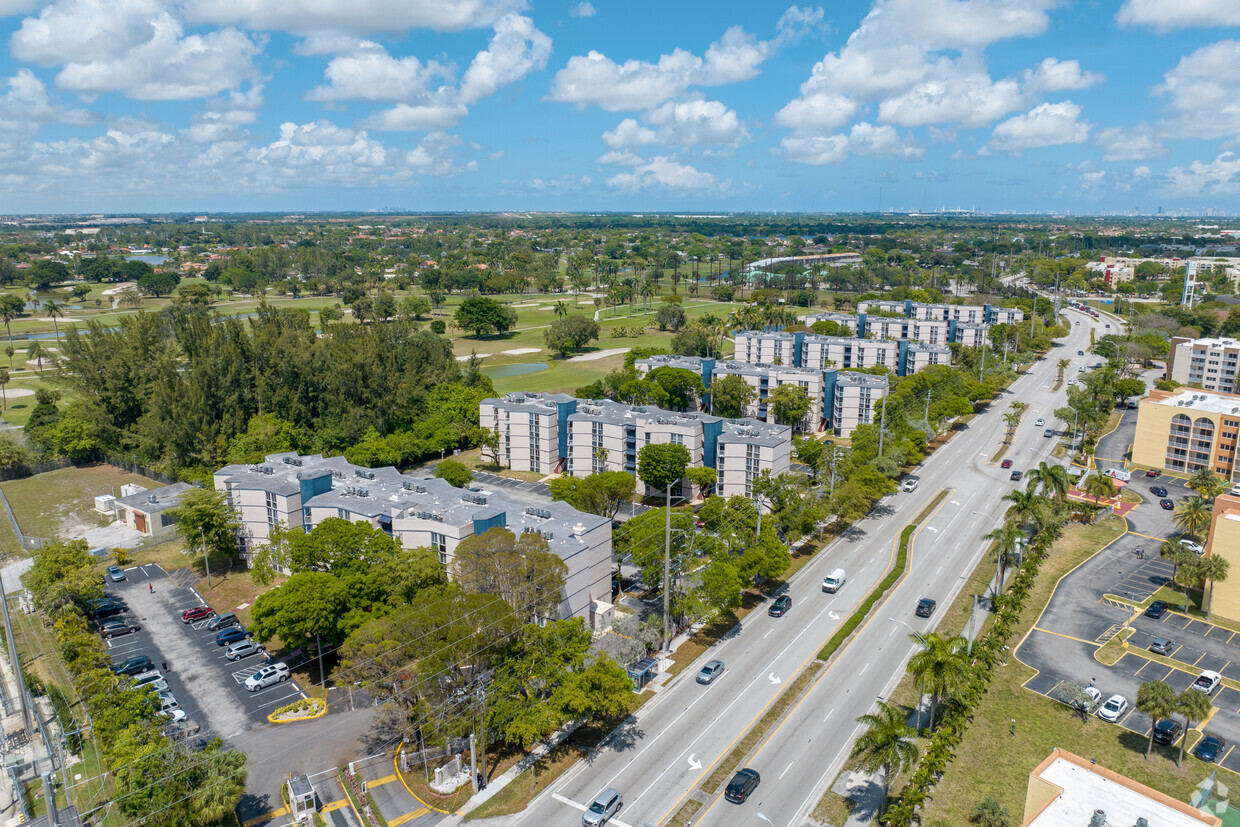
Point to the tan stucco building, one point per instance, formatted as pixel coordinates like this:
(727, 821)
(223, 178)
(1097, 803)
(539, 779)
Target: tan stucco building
(1188, 429)
(1223, 598)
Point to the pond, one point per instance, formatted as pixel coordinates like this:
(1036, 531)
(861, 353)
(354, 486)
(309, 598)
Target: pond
(149, 258)
(519, 369)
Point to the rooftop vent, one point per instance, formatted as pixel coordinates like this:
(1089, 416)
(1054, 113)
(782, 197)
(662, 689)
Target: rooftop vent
(476, 499)
(541, 513)
(267, 469)
(1099, 819)
(338, 475)
(293, 461)
(363, 492)
(152, 499)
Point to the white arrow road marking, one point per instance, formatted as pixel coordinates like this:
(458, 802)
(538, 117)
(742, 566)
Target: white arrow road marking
(932, 528)
(953, 502)
(833, 615)
(694, 764)
(773, 678)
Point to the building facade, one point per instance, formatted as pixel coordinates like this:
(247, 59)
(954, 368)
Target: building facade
(532, 429)
(147, 511)
(854, 399)
(1223, 597)
(822, 352)
(764, 378)
(746, 448)
(769, 347)
(1187, 429)
(1210, 363)
(302, 491)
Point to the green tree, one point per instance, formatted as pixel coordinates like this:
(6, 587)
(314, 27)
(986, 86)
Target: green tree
(662, 465)
(1156, 699)
(941, 666)
(61, 573)
(454, 472)
(521, 571)
(1062, 366)
(11, 307)
(604, 494)
(720, 585)
(308, 608)
(789, 404)
(483, 316)
(1192, 515)
(670, 317)
(158, 283)
(54, 310)
(36, 352)
(990, 813)
(1207, 571)
(1006, 538)
(570, 334)
(887, 744)
(1206, 484)
(1050, 481)
(205, 512)
(683, 387)
(1098, 487)
(335, 545)
(730, 396)
(1193, 705)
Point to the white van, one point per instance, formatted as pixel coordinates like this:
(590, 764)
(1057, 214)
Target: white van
(1118, 473)
(834, 581)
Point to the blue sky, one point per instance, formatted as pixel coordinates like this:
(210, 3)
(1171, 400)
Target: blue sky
(230, 105)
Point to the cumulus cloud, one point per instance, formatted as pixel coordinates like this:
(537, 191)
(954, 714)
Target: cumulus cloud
(1048, 124)
(1164, 16)
(350, 16)
(1053, 75)
(134, 47)
(662, 173)
(374, 75)
(629, 133)
(1200, 93)
(517, 49)
(406, 117)
(1130, 144)
(1205, 178)
(696, 123)
(734, 57)
(26, 105)
(864, 139)
(582, 9)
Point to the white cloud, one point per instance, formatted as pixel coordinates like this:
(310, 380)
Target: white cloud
(1205, 179)
(1129, 144)
(954, 93)
(582, 9)
(224, 119)
(817, 110)
(405, 117)
(797, 22)
(1047, 124)
(1053, 75)
(734, 57)
(697, 123)
(26, 105)
(374, 75)
(662, 173)
(1200, 93)
(134, 47)
(516, 49)
(330, 43)
(1166, 15)
(864, 139)
(350, 16)
(628, 134)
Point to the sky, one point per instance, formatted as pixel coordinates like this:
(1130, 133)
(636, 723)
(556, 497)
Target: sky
(637, 106)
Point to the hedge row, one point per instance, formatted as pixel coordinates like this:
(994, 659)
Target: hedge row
(842, 634)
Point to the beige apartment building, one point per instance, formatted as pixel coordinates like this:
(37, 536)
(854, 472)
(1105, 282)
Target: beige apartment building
(1187, 429)
(822, 352)
(531, 427)
(1223, 598)
(854, 400)
(764, 378)
(746, 448)
(770, 347)
(1210, 363)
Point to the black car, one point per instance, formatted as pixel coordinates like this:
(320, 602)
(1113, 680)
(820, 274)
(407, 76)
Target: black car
(925, 607)
(1158, 491)
(1167, 505)
(1167, 731)
(781, 606)
(133, 666)
(1210, 747)
(742, 785)
(1155, 610)
(1017, 475)
(112, 628)
(108, 611)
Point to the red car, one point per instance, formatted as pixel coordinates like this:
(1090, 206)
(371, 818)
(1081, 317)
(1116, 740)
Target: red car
(1153, 472)
(1007, 463)
(196, 613)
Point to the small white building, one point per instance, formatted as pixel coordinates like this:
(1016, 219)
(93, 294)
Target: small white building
(146, 512)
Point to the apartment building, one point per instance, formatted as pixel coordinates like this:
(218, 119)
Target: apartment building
(302, 491)
(917, 356)
(770, 347)
(1188, 429)
(764, 378)
(971, 313)
(892, 328)
(1209, 363)
(822, 352)
(971, 334)
(746, 448)
(532, 428)
(844, 319)
(853, 400)
(1223, 598)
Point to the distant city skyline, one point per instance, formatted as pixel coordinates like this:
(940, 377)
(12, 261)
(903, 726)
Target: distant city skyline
(998, 106)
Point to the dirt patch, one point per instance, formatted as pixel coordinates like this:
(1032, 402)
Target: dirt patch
(602, 354)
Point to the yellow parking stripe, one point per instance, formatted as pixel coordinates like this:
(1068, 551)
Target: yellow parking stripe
(274, 814)
(387, 779)
(335, 805)
(1067, 637)
(399, 820)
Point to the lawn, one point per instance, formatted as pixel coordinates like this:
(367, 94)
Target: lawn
(48, 504)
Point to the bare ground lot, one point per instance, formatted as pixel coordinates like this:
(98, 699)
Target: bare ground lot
(61, 503)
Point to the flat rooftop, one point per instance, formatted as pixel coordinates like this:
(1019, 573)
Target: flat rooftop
(1191, 399)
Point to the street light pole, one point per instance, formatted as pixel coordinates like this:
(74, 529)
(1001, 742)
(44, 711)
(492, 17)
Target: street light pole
(667, 574)
(206, 558)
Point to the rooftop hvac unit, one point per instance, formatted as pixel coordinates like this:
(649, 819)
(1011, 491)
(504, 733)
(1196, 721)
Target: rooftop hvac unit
(294, 461)
(408, 486)
(366, 475)
(152, 499)
(338, 475)
(1099, 819)
(268, 470)
(363, 492)
(476, 499)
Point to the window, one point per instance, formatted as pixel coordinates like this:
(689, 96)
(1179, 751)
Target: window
(342, 513)
(272, 513)
(440, 543)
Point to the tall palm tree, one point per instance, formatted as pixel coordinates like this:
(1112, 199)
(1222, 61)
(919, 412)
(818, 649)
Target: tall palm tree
(1194, 705)
(1051, 480)
(1011, 419)
(1156, 699)
(1027, 508)
(1005, 538)
(1207, 571)
(1098, 486)
(35, 351)
(942, 666)
(1179, 556)
(1206, 483)
(561, 310)
(887, 744)
(1062, 364)
(4, 397)
(53, 309)
(1192, 515)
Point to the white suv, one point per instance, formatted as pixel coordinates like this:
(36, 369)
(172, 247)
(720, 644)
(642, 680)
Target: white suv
(269, 675)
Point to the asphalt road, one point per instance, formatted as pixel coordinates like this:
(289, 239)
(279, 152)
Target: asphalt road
(659, 760)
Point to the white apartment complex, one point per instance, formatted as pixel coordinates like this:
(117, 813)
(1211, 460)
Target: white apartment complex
(854, 401)
(302, 491)
(746, 449)
(770, 347)
(764, 378)
(822, 352)
(531, 428)
(1211, 364)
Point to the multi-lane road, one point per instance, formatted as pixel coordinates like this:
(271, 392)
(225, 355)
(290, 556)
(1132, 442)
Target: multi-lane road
(661, 760)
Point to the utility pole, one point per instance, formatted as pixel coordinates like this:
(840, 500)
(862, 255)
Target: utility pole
(22, 694)
(667, 574)
(473, 762)
(206, 558)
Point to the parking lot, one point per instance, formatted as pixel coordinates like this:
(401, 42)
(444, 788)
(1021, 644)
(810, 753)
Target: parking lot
(208, 686)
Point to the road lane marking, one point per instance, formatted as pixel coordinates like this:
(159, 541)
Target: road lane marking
(785, 772)
(829, 714)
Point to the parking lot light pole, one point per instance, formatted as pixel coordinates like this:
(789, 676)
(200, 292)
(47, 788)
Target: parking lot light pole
(206, 558)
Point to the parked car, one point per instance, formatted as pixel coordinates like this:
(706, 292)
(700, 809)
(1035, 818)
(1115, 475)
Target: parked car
(116, 574)
(1210, 747)
(231, 635)
(781, 606)
(1166, 504)
(1156, 609)
(242, 650)
(1194, 547)
(223, 622)
(1167, 731)
(134, 666)
(1207, 681)
(153, 680)
(1158, 491)
(196, 613)
(266, 676)
(1080, 352)
(1161, 646)
(108, 611)
(1017, 475)
(1114, 708)
(710, 671)
(111, 628)
(182, 729)
(1153, 472)
(605, 805)
(175, 714)
(925, 607)
(1089, 700)
(742, 785)
(1049, 432)
(1007, 463)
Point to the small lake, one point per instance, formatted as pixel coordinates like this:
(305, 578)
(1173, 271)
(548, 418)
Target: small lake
(150, 258)
(519, 369)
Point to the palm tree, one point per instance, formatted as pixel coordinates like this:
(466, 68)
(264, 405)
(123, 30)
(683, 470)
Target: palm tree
(1192, 515)
(1005, 537)
(1206, 483)
(1051, 481)
(1156, 699)
(942, 666)
(35, 351)
(1062, 364)
(4, 397)
(53, 309)
(561, 310)
(1207, 571)
(1098, 486)
(1174, 551)
(1194, 705)
(1027, 508)
(1011, 419)
(887, 744)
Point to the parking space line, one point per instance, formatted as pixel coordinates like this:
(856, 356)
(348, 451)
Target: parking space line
(378, 782)
(1194, 663)
(396, 822)
(1224, 758)
(268, 816)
